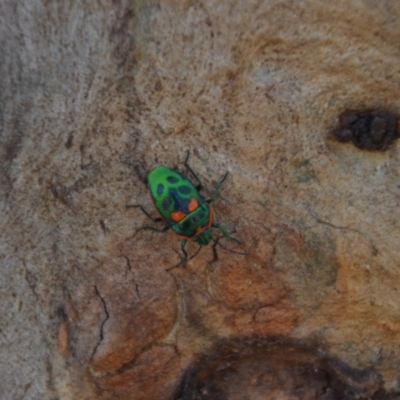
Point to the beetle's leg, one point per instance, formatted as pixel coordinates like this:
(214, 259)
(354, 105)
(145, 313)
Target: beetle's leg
(227, 235)
(185, 259)
(151, 228)
(225, 232)
(214, 249)
(197, 252)
(144, 212)
(199, 184)
(217, 190)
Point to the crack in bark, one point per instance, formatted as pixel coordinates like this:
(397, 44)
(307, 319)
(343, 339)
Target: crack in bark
(30, 280)
(103, 226)
(345, 228)
(129, 267)
(50, 378)
(128, 264)
(137, 290)
(323, 222)
(260, 307)
(170, 337)
(130, 365)
(104, 321)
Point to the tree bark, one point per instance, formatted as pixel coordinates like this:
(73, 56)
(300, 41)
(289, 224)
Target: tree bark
(93, 95)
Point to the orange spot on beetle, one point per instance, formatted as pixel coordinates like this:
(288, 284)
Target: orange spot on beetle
(178, 215)
(200, 229)
(193, 204)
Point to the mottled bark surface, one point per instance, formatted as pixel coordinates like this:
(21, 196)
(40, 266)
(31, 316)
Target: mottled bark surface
(93, 95)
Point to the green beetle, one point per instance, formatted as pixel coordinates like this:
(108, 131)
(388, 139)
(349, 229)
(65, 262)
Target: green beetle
(182, 207)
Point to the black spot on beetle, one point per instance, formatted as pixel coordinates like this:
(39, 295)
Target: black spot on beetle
(368, 130)
(184, 189)
(160, 189)
(176, 199)
(187, 224)
(172, 179)
(201, 214)
(166, 203)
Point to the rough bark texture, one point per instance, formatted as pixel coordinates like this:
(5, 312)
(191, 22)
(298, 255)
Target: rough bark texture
(93, 95)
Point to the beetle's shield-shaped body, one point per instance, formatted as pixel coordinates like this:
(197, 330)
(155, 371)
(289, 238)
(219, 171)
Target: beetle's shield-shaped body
(179, 202)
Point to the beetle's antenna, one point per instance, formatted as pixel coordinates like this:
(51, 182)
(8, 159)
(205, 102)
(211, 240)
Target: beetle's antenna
(231, 251)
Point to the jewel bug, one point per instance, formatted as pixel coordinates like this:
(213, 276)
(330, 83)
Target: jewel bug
(182, 208)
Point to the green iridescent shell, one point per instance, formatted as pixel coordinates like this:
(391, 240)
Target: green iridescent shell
(180, 204)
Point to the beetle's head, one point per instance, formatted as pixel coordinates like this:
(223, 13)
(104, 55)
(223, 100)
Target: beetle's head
(203, 238)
